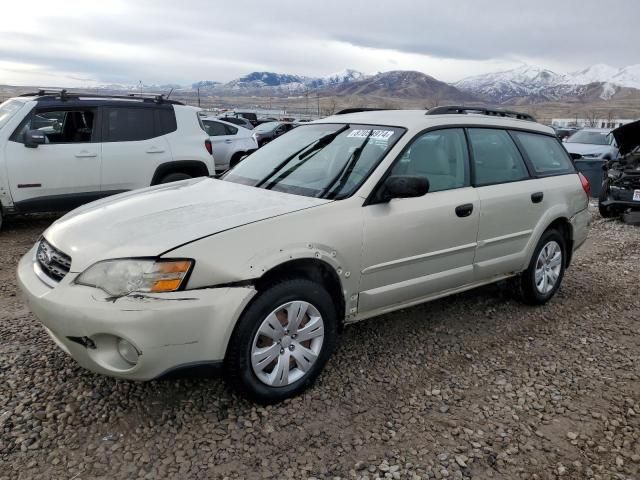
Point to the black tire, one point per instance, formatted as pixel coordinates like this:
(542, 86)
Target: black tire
(175, 177)
(528, 290)
(1, 218)
(235, 159)
(605, 211)
(238, 369)
(264, 142)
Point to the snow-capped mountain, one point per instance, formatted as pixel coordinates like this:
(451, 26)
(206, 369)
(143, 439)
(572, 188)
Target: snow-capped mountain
(280, 83)
(519, 82)
(542, 84)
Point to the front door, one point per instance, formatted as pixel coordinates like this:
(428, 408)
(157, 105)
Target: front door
(62, 173)
(415, 248)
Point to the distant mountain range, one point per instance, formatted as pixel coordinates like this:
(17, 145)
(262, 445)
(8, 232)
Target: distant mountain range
(523, 85)
(535, 84)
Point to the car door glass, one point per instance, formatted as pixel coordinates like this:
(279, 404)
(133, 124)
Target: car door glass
(545, 154)
(126, 124)
(496, 158)
(214, 129)
(441, 156)
(59, 126)
(230, 130)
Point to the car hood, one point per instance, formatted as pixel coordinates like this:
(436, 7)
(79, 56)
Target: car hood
(149, 222)
(586, 148)
(627, 137)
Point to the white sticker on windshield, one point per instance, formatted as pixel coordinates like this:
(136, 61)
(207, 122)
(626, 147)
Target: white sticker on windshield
(375, 134)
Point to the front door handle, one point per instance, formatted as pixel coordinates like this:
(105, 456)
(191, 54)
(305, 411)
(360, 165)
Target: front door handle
(464, 210)
(86, 154)
(228, 141)
(537, 197)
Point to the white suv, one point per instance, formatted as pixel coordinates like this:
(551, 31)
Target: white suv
(339, 220)
(59, 150)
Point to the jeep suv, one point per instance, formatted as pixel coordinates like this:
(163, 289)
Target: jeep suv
(59, 150)
(342, 219)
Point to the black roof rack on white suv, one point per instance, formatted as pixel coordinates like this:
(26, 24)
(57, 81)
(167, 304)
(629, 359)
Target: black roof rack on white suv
(63, 94)
(494, 112)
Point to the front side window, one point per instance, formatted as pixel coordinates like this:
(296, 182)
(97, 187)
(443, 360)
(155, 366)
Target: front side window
(441, 156)
(126, 124)
(545, 154)
(60, 126)
(319, 160)
(496, 158)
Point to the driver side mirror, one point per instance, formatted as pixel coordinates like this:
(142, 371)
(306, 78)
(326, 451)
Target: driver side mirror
(33, 138)
(404, 186)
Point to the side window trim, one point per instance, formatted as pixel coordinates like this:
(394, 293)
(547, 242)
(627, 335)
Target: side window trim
(474, 183)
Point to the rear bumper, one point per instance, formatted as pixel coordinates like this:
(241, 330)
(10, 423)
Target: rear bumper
(168, 330)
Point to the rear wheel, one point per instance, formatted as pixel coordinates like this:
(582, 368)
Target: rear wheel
(605, 210)
(282, 341)
(236, 158)
(175, 177)
(541, 280)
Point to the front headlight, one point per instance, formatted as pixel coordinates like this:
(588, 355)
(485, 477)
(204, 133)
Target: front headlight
(121, 277)
(593, 155)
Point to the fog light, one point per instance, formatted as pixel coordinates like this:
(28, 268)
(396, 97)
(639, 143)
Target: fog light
(128, 352)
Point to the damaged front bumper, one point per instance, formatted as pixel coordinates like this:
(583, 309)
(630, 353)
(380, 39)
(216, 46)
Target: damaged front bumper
(159, 332)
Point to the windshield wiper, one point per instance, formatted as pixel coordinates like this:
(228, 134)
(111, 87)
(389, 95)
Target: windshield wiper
(315, 146)
(345, 172)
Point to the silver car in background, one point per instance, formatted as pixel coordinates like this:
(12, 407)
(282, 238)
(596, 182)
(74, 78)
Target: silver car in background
(593, 143)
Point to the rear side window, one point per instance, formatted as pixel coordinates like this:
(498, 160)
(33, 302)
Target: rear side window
(496, 158)
(167, 120)
(230, 130)
(125, 124)
(545, 154)
(214, 129)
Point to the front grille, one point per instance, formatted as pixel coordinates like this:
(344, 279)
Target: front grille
(54, 263)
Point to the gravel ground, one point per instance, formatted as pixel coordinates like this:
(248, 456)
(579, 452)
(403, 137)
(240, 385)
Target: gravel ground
(472, 386)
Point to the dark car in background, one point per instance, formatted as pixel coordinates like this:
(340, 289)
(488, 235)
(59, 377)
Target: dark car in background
(266, 132)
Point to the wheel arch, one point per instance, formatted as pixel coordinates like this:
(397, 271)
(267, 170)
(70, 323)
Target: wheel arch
(195, 168)
(563, 225)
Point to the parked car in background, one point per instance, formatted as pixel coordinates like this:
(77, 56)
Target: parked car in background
(564, 132)
(241, 122)
(593, 143)
(59, 150)
(621, 187)
(230, 142)
(266, 132)
(340, 220)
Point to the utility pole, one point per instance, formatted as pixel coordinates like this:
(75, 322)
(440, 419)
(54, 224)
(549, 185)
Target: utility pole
(318, 99)
(198, 96)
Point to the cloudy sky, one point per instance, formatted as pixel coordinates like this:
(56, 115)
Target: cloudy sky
(81, 43)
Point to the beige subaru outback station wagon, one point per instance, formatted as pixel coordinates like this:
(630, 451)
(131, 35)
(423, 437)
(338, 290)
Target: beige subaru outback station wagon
(339, 220)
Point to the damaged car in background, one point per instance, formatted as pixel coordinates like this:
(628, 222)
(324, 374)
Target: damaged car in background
(620, 192)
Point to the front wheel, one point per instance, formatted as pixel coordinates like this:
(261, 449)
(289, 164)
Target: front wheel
(541, 280)
(282, 341)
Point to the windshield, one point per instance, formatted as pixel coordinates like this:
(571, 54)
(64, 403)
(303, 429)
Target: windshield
(318, 160)
(593, 138)
(8, 109)
(267, 127)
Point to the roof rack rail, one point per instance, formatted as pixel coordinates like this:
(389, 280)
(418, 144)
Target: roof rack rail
(63, 94)
(356, 110)
(494, 112)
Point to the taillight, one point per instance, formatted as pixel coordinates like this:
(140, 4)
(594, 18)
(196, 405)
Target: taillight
(208, 146)
(585, 184)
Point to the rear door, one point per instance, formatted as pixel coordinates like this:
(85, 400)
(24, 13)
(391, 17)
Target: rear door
(222, 140)
(65, 171)
(134, 144)
(417, 247)
(511, 202)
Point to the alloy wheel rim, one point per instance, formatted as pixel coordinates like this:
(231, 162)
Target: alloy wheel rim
(548, 267)
(287, 343)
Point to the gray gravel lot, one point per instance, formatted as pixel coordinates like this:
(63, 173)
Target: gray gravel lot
(472, 386)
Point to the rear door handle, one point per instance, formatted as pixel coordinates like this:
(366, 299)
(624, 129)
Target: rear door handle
(464, 210)
(228, 141)
(154, 150)
(537, 197)
(85, 154)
